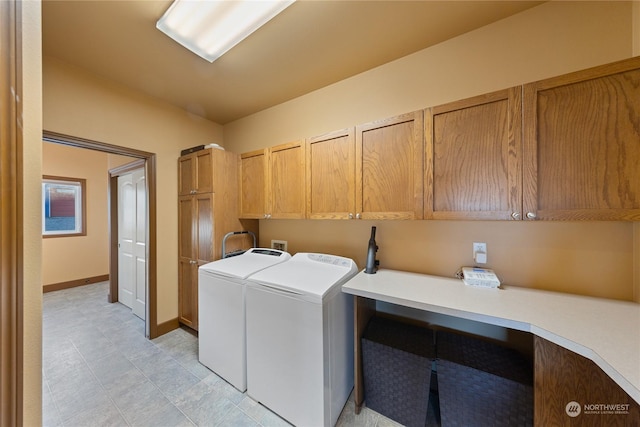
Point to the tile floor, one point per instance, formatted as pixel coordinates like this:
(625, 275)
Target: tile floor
(100, 370)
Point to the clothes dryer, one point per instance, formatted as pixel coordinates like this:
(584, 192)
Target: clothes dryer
(300, 338)
(221, 311)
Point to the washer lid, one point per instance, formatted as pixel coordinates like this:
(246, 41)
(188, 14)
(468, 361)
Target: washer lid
(243, 265)
(310, 274)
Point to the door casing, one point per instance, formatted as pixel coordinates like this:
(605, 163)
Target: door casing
(149, 161)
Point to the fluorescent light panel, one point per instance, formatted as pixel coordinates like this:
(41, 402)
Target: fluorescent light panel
(210, 28)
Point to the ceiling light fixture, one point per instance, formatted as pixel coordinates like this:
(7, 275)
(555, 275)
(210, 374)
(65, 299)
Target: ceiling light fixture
(210, 28)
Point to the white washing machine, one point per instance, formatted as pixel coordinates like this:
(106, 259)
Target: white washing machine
(221, 311)
(300, 338)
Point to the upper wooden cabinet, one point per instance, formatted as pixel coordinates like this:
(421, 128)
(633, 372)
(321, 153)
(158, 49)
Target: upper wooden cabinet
(253, 184)
(331, 182)
(374, 172)
(473, 158)
(389, 168)
(272, 182)
(195, 173)
(582, 145)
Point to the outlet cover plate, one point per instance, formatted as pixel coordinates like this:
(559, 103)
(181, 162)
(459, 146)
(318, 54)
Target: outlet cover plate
(280, 245)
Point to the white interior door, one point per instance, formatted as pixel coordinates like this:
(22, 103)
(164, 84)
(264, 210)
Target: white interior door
(140, 245)
(132, 247)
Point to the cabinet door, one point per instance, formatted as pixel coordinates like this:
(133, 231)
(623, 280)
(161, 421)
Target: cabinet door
(389, 174)
(286, 181)
(187, 265)
(331, 189)
(203, 181)
(186, 173)
(253, 182)
(195, 173)
(188, 293)
(186, 227)
(203, 228)
(473, 158)
(582, 145)
(196, 247)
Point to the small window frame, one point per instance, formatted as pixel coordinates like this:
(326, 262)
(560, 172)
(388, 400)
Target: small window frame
(80, 187)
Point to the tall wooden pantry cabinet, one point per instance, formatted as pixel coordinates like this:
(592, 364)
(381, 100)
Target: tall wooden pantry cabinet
(207, 210)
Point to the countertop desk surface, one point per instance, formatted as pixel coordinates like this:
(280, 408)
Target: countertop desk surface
(603, 330)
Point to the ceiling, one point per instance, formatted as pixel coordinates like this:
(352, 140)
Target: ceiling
(310, 45)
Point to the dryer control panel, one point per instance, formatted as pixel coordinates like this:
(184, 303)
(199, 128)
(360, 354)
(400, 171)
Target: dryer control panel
(331, 259)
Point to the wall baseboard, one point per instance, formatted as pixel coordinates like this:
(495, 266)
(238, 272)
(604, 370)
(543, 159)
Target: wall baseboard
(74, 283)
(167, 326)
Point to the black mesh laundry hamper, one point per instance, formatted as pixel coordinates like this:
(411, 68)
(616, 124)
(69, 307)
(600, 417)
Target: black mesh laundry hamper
(482, 383)
(397, 360)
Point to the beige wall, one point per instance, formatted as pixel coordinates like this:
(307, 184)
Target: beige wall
(71, 258)
(32, 237)
(82, 105)
(593, 258)
(551, 39)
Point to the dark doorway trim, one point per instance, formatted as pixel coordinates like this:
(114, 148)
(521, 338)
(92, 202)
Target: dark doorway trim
(150, 168)
(11, 215)
(113, 224)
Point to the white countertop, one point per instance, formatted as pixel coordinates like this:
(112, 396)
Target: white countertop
(605, 331)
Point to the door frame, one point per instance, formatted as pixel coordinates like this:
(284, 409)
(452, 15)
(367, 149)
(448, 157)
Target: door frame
(114, 278)
(149, 159)
(11, 215)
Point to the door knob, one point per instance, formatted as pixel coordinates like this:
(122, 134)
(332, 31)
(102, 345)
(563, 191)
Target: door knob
(531, 215)
(515, 215)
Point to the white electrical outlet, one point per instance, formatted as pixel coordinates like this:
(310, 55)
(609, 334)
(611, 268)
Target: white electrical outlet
(280, 245)
(480, 253)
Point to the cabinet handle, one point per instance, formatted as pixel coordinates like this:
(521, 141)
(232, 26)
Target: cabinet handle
(350, 215)
(531, 215)
(265, 216)
(358, 215)
(515, 215)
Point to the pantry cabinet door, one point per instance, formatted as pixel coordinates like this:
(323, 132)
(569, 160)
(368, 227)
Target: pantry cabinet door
(253, 184)
(473, 158)
(389, 174)
(204, 238)
(195, 173)
(582, 145)
(331, 192)
(287, 181)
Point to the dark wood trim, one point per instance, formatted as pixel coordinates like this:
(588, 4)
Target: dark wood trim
(363, 310)
(150, 169)
(152, 306)
(168, 326)
(113, 223)
(74, 283)
(113, 238)
(126, 168)
(11, 216)
(73, 141)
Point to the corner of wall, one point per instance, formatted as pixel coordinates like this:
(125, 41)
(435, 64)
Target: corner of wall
(31, 56)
